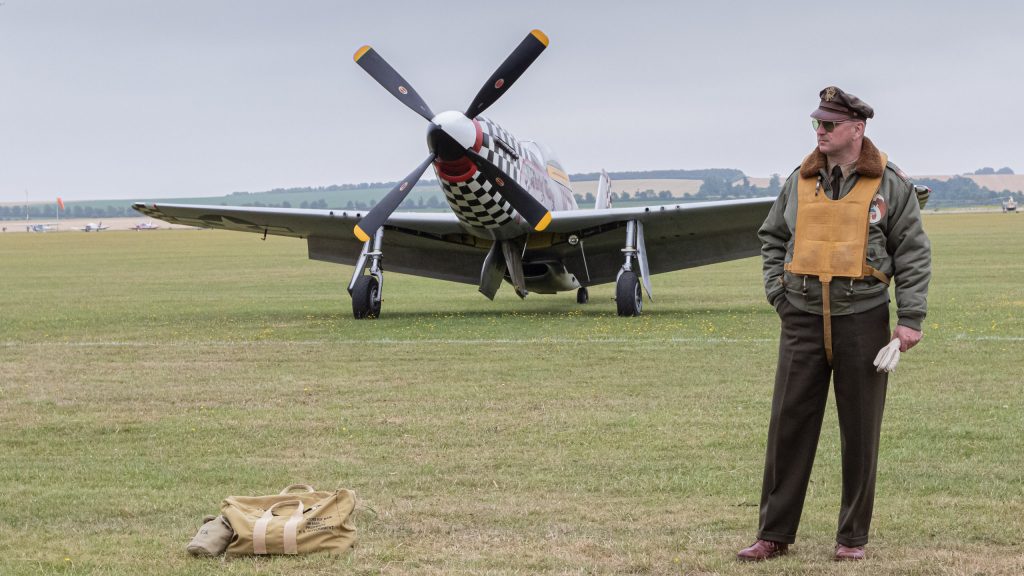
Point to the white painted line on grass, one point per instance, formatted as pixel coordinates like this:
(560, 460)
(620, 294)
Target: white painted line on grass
(986, 338)
(435, 341)
(470, 341)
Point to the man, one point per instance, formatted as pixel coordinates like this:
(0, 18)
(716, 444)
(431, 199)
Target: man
(845, 223)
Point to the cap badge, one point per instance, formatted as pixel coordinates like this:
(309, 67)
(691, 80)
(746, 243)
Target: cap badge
(830, 93)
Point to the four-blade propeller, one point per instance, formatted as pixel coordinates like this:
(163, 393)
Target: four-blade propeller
(510, 70)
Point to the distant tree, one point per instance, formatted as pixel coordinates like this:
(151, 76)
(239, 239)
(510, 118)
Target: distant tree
(664, 195)
(1004, 170)
(985, 170)
(286, 204)
(775, 185)
(714, 187)
(304, 204)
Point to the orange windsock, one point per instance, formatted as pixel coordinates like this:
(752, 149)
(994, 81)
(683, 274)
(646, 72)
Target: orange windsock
(60, 203)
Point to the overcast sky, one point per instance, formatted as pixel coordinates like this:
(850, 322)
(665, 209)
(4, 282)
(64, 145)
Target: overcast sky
(143, 99)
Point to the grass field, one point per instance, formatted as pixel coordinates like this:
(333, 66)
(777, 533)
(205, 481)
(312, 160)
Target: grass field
(144, 377)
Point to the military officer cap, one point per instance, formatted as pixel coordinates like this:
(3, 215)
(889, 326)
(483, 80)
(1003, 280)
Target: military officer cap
(838, 105)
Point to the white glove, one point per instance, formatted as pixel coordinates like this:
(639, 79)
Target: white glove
(888, 357)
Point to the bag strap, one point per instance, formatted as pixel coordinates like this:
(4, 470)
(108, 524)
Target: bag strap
(291, 487)
(291, 528)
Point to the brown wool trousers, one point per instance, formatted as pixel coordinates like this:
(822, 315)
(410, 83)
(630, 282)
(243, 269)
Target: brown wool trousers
(798, 406)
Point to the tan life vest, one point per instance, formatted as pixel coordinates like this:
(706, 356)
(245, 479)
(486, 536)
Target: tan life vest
(832, 238)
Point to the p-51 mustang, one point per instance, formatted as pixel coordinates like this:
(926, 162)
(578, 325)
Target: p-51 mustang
(513, 219)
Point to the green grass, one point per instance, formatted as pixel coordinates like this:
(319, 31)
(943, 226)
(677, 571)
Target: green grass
(144, 377)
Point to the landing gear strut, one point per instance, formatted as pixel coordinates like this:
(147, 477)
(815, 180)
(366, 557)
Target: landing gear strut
(367, 290)
(629, 299)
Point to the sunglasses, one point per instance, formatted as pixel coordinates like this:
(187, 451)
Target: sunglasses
(828, 125)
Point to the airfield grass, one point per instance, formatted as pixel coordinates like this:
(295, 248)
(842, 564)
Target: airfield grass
(146, 376)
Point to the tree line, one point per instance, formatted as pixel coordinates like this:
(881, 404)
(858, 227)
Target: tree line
(717, 184)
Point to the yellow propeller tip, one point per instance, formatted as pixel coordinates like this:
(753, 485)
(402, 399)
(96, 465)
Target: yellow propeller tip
(540, 36)
(363, 236)
(359, 53)
(543, 222)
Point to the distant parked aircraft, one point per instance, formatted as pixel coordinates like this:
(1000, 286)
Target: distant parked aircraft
(145, 226)
(1010, 205)
(91, 227)
(47, 227)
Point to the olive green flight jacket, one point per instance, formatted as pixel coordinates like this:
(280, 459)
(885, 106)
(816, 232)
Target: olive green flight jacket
(897, 245)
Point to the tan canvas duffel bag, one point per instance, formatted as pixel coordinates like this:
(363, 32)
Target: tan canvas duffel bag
(290, 522)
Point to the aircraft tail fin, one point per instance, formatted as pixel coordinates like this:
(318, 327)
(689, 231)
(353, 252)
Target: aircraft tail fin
(604, 185)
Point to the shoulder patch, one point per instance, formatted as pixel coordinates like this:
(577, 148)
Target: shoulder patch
(903, 175)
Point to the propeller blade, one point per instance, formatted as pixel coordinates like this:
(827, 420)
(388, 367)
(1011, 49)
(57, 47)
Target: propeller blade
(509, 71)
(392, 81)
(379, 214)
(535, 213)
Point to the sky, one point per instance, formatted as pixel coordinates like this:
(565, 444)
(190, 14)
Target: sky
(143, 99)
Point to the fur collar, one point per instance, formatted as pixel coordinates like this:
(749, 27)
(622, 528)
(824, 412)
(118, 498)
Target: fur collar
(868, 165)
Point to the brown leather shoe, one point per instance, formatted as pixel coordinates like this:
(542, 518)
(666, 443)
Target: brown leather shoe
(762, 550)
(849, 552)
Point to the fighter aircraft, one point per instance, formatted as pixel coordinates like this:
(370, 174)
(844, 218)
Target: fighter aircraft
(513, 219)
(92, 227)
(1010, 205)
(145, 226)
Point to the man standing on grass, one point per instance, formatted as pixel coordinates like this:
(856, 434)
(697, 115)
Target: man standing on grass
(845, 223)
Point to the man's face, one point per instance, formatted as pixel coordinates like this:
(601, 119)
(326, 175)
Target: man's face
(841, 138)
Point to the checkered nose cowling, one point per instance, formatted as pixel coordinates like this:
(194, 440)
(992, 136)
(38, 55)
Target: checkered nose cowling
(476, 201)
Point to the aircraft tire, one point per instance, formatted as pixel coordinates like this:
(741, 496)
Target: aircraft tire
(582, 296)
(628, 298)
(366, 298)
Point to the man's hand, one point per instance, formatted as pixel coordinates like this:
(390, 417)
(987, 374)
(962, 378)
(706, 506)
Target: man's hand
(908, 337)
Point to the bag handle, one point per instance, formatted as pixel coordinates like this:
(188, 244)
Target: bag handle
(291, 528)
(291, 487)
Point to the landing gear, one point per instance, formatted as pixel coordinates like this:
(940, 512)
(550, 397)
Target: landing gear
(582, 296)
(366, 290)
(366, 298)
(629, 300)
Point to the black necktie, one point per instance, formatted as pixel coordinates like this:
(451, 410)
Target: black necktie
(837, 177)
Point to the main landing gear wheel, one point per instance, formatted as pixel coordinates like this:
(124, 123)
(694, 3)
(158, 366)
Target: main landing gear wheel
(366, 298)
(582, 296)
(629, 300)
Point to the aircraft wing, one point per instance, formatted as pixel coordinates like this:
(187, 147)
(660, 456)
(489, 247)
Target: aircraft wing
(677, 236)
(295, 222)
(421, 243)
